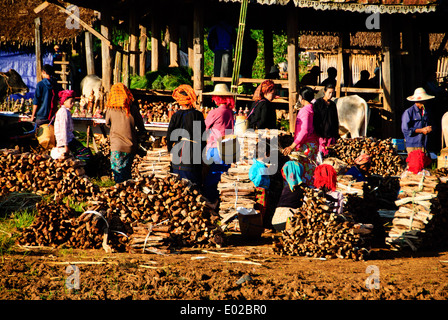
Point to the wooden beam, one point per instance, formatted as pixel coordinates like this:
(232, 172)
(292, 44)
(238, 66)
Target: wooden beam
(190, 47)
(340, 74)
(293, 79)
(174, 40)
(41, 7)
(388, 35)
(155, 42)
(106, 56)
(143, 45)
(133, 40)
(198, 47)
(90, 59)
(38, 47)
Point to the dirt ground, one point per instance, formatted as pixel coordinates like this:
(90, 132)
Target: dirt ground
(243, 270)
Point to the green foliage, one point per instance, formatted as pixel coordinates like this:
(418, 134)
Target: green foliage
(166, 78)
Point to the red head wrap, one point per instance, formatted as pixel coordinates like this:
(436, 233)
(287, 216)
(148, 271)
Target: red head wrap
(185, 95)
(227, 100)
(65, 94)
(264, 88)
(325, 176)
(417, 160)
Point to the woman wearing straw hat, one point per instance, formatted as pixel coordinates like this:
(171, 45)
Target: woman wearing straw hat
(415, 122)
(219, 122)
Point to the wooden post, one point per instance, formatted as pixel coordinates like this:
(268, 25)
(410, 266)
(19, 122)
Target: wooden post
(174, 41)
(106, 50)
(125, 64)
(340, 74)
(268, 50)
(346, 68)
(38, 47)
(387, 38)
(143, 44)
(190, 47)
(155, 42)
(117, 67)
(90, 61)
(64, 71)
(198, 47)
(292, 35)
(133, 40)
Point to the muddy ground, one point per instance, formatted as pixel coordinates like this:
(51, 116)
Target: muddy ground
(243, 270)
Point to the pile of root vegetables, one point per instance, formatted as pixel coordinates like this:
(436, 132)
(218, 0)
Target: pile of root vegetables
(385, 160)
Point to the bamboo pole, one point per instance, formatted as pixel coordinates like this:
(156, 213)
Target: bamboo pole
(239, 47)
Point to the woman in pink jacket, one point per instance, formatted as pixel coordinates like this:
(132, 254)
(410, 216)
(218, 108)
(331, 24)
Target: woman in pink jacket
(305, 140)
(218, 123)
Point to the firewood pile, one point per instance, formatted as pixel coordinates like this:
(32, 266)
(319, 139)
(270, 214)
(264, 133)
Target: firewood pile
(385, 160)
(421, 220)
(346, 184)
(44, 176)
(236, 190)
(316, 231)
(58, 225)
(156, 162)
(147, 205)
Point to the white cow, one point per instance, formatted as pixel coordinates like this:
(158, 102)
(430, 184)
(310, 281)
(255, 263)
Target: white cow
(89, 83)
(445, 130)
(353, 116)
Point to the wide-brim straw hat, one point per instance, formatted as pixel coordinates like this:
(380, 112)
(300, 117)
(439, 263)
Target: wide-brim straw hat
(220, 89)
(420, 95)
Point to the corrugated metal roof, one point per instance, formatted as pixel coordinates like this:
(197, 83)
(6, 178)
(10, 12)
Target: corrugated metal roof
(365, 6)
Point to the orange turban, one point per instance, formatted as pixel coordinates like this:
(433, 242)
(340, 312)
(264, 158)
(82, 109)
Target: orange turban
(264, 88)
(185, 95)
(120, 97)
(325, 176)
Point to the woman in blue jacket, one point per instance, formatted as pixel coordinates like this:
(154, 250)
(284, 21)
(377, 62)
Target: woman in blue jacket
(415, 122)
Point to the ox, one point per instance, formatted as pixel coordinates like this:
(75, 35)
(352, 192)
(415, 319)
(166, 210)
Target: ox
(11, 83)
(353, 116)
(445, 130)
(89, 83)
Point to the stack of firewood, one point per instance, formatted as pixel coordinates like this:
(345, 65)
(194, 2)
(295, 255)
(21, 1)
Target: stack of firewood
(421, 220)
(236, 190)
(58, 225)
(170, 202)
(156, 162)
(346, 184)
(44, 176)
(385, 160)
(316, 231)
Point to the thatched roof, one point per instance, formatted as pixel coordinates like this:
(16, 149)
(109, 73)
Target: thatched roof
(17, 23)
(330, 41)
(358, 40)
(381, 6)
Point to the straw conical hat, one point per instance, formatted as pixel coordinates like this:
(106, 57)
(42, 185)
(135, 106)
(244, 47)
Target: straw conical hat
(420, 95)
(220, 89)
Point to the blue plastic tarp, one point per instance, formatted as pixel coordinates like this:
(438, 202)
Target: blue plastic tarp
(25, 64)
